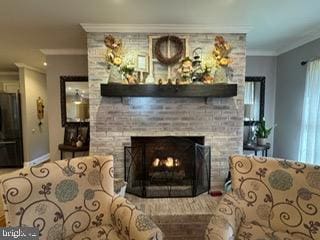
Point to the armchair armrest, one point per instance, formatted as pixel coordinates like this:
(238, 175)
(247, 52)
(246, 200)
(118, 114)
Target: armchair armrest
(226, 220)
(132, 223)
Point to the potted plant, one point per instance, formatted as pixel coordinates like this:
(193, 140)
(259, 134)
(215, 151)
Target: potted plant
(127, 71)
(262, 133)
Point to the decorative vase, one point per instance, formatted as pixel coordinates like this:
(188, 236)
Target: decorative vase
(220, 75)
(150, 79)
(229, 74)
(251, 140)
(79, 143)
(262, 141)
(130, 79)
(115, 75)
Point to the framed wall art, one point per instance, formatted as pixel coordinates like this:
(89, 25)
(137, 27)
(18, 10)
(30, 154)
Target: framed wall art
(142, 63)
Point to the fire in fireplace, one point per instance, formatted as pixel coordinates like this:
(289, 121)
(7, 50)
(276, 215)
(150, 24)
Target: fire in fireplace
(161, 167)
(168, 162)
(167, 166)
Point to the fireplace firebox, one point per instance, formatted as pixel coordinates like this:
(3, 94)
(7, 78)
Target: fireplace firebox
(167, 166)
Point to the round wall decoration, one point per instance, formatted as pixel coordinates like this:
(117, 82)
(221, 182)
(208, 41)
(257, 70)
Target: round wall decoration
(171, 59)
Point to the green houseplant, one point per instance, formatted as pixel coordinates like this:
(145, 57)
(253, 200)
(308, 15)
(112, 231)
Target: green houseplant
(127, 71)
(262, 133)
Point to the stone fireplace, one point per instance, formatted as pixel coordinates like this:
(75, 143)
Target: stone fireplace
(167, 166)
(115, 122)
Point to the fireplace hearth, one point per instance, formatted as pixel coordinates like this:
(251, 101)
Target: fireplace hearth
(167, 166)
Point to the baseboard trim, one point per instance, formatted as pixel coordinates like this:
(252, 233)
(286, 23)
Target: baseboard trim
(37, 161)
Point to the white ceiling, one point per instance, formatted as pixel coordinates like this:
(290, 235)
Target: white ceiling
(27, 26)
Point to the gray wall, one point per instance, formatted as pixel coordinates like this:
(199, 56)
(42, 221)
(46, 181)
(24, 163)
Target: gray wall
(60, 66)
(35, 138)
(267, 67)
(289, 98)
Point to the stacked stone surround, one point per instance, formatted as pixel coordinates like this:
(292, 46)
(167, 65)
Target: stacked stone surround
(113, 121)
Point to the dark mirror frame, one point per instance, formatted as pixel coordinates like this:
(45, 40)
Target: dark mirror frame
(262, 80)
(63, 80)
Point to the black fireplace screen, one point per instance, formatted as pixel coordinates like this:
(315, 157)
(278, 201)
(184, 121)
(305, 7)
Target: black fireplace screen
(167, 166)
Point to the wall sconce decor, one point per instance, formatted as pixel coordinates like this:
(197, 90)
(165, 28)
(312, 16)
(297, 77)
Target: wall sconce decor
(40, 110)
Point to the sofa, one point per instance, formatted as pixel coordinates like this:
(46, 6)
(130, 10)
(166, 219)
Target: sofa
(73, 199)
(271, 199)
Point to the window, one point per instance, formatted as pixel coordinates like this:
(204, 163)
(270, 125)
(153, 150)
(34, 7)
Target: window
(309, 149)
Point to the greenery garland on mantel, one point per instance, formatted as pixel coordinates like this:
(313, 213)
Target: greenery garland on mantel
(179, 50)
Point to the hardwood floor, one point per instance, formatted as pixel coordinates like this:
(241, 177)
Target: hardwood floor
(2, 218)
(2, 221)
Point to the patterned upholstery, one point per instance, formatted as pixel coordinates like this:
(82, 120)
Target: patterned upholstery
(98, 233)
(258, 232)
(73, 199)
(271, 199)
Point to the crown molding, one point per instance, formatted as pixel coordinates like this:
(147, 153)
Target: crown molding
(302, 41)
(11, 73)
(257, 52)
(309, 37)
(164, 28)
(22, 65)
(64, 51)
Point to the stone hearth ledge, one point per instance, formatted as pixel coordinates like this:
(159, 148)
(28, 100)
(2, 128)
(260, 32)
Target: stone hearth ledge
(179, 218)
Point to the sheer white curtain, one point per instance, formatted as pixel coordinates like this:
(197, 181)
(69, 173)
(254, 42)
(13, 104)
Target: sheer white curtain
(309, 149)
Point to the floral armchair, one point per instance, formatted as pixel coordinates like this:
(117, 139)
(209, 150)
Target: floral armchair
(73, 199)
(271, 199)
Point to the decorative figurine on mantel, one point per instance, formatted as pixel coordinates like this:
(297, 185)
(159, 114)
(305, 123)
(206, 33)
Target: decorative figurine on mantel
(185, 70)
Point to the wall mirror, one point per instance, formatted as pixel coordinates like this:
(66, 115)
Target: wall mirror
(254, 94)
(74, 96)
